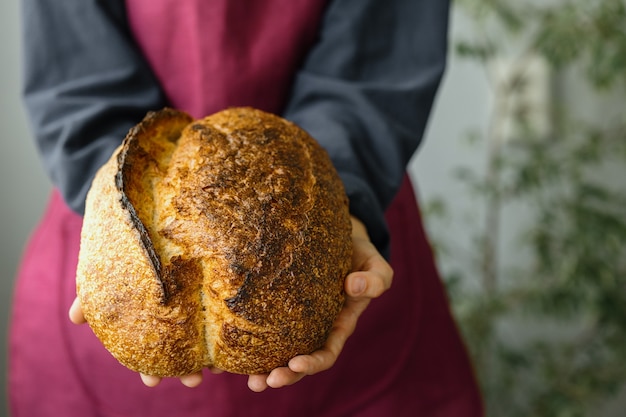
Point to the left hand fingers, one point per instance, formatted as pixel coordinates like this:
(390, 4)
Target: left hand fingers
(321, 359)
(318, 361)
(369, 284)
(344, 326)
(279, 377)
(372, 275)
(372, 278)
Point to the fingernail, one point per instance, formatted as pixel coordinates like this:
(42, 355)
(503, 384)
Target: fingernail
(358, 285)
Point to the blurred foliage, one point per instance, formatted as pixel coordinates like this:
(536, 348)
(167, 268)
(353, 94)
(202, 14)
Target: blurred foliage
(567, 303)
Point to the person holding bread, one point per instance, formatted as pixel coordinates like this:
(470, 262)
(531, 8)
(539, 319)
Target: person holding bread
(356, 78)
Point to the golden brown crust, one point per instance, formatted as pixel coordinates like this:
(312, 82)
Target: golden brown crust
(218, 242)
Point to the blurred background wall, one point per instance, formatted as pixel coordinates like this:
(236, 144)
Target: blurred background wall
(522, 177)
(23, 185)
(462, 103)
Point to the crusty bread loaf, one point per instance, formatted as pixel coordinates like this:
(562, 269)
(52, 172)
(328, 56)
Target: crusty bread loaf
(219, 242)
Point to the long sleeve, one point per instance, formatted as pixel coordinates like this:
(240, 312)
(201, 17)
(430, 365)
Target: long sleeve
(365, 93)
(85, 85)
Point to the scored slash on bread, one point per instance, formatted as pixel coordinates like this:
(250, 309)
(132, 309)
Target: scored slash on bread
(221, 242)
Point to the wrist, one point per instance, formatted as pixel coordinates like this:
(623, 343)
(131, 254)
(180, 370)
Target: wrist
(358, 228)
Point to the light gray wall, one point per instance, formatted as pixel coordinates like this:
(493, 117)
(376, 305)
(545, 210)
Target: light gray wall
(462, 105)
(23, 186)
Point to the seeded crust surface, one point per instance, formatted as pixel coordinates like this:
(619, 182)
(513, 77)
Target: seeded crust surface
(220, 242)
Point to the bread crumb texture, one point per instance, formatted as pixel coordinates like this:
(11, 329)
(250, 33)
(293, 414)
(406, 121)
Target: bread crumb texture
(220, 242)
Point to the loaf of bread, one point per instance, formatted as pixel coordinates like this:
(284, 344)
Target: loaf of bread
(221, 242)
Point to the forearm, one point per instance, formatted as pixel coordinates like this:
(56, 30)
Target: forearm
(85, 85)
(365, 93)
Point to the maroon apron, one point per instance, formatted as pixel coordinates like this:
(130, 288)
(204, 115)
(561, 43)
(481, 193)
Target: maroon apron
(405, 358)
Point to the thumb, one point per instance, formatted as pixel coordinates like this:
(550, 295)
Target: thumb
(367, 284)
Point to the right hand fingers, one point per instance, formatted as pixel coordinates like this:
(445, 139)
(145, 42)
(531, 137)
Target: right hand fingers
(191, 380)
(76, 313)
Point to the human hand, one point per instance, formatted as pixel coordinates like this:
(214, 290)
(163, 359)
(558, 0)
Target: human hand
(191, 380)
(371, 277)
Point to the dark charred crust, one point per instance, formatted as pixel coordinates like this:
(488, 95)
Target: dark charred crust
(240, 302)
(146, 241)
(272, 263)
(228, 248)
(258, 348)
(130, 159)
(181, 276)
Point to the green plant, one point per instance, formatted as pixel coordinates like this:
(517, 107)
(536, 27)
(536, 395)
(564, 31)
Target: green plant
(567, 302)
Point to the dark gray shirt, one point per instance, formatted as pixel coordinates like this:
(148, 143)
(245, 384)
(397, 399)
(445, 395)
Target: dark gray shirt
(364, 92)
